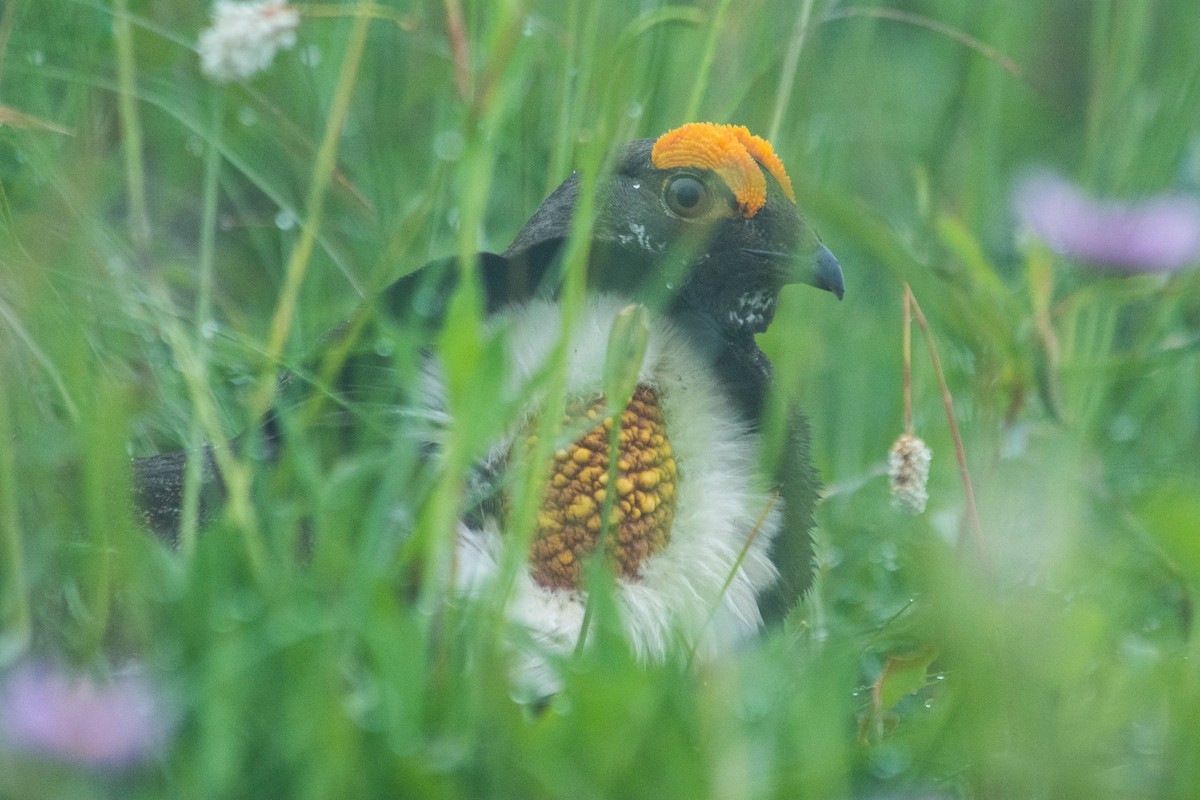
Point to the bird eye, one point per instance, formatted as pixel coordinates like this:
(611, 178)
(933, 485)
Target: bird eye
(686, 196)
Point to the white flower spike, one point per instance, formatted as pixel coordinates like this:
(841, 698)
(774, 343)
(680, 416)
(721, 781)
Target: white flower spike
(908, 469)
(245, 37)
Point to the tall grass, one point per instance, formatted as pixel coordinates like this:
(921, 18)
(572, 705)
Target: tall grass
(167, 244)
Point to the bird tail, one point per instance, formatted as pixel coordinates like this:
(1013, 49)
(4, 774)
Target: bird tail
(158, 482)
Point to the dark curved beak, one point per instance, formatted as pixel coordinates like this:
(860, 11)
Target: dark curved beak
(821, 270)
(828, 273)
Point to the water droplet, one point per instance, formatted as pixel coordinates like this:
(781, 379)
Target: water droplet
(209, 329)
(888, 762)
(889, 556)
(1123, 428)
(37, 58)
(1015, 443)
(285, 220)
(310, 56)
(423, 300)
(530, 27)
(634, 110)
(385, 347)
(449, 145)
(637, 184)
(399, 515)
(247, 116)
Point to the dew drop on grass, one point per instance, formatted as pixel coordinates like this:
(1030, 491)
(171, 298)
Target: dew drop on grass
(400, 515)
(209, 329)
(1015, 444)
(1139, 651)
(362, 702)
(888, 762)
(1146, 738)
(423, 300)
(285, 220)
(385, 347)
(888, 556)
(1123, 428)
(449, 145)
(830, 557)
(310, 56)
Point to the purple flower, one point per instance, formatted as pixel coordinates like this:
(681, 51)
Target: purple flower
(47, 711)
(1158, 234)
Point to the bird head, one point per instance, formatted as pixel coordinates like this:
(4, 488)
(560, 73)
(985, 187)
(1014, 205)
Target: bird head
(703, 217)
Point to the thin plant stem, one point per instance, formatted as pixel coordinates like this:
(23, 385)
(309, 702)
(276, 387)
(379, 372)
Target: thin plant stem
(706, 60)
(234, 475)
(405, 22)
(18, 623)
(9, 317)
(561, 152)
(502, 45)
(131, 130)
(6, 26)
(790, 62)
(965, 39)
(208, 234)
(606, 510)
(460, 48)
(737, 564)
(908, 415)
(326, 161)
(589, 611)
(959, 452)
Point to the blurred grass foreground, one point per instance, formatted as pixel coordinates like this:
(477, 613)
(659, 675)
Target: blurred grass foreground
(181, 216)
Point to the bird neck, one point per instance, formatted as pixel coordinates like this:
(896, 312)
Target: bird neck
(743, 370)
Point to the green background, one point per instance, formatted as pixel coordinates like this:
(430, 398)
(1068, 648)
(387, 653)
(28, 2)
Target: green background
(148, 218)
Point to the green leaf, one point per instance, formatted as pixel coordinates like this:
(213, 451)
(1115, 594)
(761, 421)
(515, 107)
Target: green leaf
(1171, 515)
(627, 342)
(902, 676)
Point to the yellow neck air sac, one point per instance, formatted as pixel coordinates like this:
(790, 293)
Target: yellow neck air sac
(571, 521)
(732, 152)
